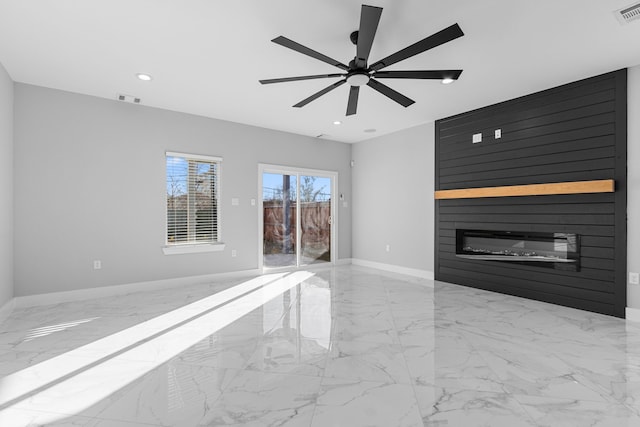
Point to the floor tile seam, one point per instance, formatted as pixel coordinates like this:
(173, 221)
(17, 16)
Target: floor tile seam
(415, 395)
(525, 410)
(121, 351)
(563, 359)
(568, 399)
(197, 365)
(505, 393)
(531, 415)
(632, 408)
(402, 351)
(64, 351)
(315, 405)
(605, 398)
(364, 394)
(160, 332)
(129, 421)
(602, 400)
(378, 343)
(495, 374)
(296, 374)
(356, 340)
(236, 373)
(82, 417)
(315, 394)
(64, 415)
(398, 344)
(125, 393)
(122, 419)
(351, 379)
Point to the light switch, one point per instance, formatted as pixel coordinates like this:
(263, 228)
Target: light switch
(477, 137)
(235, 201)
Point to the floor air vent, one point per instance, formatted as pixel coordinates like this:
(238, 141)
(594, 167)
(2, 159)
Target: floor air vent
(628, 14)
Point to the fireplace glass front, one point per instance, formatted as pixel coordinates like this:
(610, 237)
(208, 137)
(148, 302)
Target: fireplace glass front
(552, 250)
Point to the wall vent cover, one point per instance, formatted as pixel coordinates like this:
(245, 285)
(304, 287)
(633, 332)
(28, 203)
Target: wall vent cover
(128, 98)
(628, 14)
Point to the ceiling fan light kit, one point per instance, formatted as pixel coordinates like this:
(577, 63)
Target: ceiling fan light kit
(359, 73)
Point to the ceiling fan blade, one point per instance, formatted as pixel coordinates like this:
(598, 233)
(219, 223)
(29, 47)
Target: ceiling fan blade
(293, 79)
(369, 19)
(283, 41)
(424, 74)
(441, 37)
(352, 105)
(387, 91)
(320, 93)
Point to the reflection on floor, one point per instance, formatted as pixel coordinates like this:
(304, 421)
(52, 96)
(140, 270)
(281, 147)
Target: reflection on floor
(346, 346)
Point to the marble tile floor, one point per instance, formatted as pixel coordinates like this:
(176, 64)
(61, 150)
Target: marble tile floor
(344, 346)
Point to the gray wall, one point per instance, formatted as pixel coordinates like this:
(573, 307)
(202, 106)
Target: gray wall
(90, 184)
(633, 182)
(393, 190)
(6, 186)
(393, 198)
(118, 152)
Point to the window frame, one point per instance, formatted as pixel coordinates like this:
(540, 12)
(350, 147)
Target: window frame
(194, 246)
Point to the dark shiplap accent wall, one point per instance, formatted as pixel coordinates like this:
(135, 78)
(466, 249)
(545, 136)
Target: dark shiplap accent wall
(575, 132)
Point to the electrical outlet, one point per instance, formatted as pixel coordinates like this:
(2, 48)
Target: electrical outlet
(388, 248)
(477, 137)
(497, 134)
(234, 253)
(97, 264)
(634, 278)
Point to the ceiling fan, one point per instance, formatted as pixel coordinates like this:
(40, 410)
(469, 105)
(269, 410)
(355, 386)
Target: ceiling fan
(359, 72)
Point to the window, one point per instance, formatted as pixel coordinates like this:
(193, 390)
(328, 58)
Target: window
(192, 201)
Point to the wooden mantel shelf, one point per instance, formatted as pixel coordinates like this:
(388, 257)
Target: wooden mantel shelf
(576, 187)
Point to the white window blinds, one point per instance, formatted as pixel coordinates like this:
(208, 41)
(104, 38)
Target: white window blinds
(192, 198)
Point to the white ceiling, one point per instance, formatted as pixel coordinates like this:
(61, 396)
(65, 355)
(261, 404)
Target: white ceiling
(206, 56)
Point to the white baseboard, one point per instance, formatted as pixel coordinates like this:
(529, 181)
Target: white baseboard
(108, 291)
(632, 314)
(423, 274)
(6, 309)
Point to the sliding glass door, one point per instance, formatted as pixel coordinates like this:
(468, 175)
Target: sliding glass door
(279, 219)
(315, 219)
(297, 217)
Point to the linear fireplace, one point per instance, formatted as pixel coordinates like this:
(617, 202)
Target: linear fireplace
(551, 250)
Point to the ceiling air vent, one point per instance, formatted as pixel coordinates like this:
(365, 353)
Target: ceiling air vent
(628, 14)
(128, 98)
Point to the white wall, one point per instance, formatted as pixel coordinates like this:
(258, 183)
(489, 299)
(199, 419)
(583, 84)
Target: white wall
(90, 184)
(633, 182)
(393, 181)
(6, 186)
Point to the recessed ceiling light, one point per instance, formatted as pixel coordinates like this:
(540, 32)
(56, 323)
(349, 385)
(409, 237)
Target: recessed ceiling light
(369, 130)
(337, 122)
(447, 81)
(144, 77)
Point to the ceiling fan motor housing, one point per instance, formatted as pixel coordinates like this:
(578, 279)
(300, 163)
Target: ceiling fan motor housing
(354, 37)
